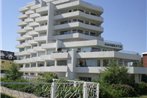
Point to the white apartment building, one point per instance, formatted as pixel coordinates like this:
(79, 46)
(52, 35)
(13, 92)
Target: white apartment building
(64, 37)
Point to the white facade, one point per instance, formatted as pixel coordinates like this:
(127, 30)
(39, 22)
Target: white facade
(64, 36)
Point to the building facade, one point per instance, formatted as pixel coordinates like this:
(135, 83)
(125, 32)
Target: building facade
(64, 37)
(144, 59)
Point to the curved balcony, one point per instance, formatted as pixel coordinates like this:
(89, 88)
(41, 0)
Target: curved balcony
(41, 28)
(21, 31)
(21, 38)
(23, 16)
(22, 23)
(38, 48)
(23, 9)
(35, 15)
(40, 38)
(41, 19)
(109, 54)
(74, 36)
(32, 42)
(81, 4)
(33, 33)
(78, 14)
(28, 20)
(42, 9)
(28, 28)
(33, 24)
(59, 56)
(29, 12)
(78, 24)
(45, 69)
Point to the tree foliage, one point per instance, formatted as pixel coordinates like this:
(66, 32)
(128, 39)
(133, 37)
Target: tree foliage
(13, 72)
(115, 74)
(48, 77)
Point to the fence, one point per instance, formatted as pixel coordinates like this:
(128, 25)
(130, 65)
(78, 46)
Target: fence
(56, 89)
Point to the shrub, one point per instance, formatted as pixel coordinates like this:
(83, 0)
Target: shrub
(48, 77)
(105, 91)
(119, 90)
(141, 88)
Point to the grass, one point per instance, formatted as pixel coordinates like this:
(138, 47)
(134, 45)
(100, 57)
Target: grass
(145, 96)
(5, 96)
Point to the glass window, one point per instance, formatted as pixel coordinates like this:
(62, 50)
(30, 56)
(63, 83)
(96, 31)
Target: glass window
(50, 63)
(62, 63)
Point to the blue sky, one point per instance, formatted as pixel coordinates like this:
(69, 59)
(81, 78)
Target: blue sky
(124, 21)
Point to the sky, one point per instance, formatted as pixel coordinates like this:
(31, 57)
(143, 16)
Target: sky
(124, 21)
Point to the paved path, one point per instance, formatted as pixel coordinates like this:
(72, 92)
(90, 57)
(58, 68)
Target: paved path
(16, 94)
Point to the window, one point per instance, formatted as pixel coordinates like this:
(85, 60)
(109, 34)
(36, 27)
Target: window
(32, 74)
(81, 10)
(85, 78)
(33, 65)
(34, 54)
(74, 20)
(86, 22)
(79, 20)
(92, 33)
(50, 63)
(105, 62)
(98, 63)
(27, 65)
(64, 22)
(62, 62)
(82, 63)
(80, 31)
(41, 64)
(28, 56)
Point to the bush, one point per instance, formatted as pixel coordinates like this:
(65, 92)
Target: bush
(105, 91)
(141, 88)
(48, 77)
(116, 91)
(119, 90)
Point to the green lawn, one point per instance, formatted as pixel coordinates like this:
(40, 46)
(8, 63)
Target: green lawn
(143, 96)
(139, 97)
(5, 96)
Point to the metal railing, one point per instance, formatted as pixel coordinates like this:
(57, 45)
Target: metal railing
(56, 89)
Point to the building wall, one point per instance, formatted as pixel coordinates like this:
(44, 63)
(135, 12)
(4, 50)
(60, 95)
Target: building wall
(145, 59)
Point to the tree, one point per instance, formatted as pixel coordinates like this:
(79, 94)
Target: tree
(115, 74)
(13, 73)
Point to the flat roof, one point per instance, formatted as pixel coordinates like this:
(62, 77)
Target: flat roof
(144, 53)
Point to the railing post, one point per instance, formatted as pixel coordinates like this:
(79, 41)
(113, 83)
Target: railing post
(98, 90)
(85, 92)
(53, 90)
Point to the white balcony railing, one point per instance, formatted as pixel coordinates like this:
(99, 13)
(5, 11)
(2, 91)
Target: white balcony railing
(42, 9)
(22, 23)
(21, 31)
(35, 15)
(29, 12)
(23, 16)
(78, 13)
(41, 19)
(33, 24)
(46, 69)
(29, 20)
(59, 55)
(40, 38)
(41, 28)
(78, 24)
(33, 33)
